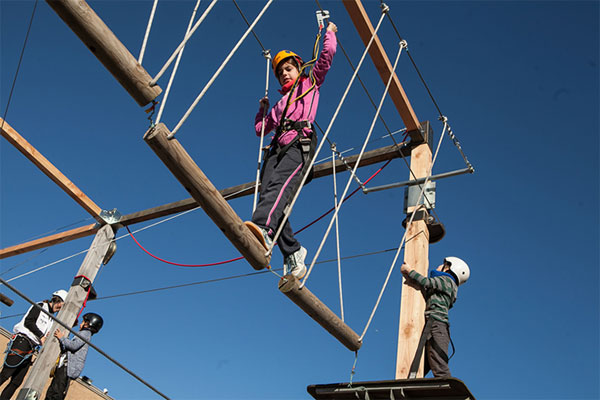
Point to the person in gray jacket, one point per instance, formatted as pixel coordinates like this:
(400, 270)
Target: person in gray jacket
(72, 359)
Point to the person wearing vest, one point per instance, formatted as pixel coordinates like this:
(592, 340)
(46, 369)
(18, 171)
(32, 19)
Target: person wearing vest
(440, 291)
(29, 333)
(72, 358)
(292, 147)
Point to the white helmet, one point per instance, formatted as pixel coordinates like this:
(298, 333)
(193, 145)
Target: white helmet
(61, 293)
(458, 268)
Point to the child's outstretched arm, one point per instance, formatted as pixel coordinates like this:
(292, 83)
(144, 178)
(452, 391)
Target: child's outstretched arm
(326, 57)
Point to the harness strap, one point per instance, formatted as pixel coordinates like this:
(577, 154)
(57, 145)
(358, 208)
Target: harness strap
(414, 367)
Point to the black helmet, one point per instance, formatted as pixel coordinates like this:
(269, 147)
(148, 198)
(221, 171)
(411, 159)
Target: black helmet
(94, 320)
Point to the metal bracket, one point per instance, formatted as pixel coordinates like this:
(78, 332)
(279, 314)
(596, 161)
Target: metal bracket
(412, 193)
(86, 284)
(110, 216)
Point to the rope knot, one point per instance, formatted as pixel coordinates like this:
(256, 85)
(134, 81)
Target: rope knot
(384, 8)
(403, 44)
(443, 118)
(266, 54)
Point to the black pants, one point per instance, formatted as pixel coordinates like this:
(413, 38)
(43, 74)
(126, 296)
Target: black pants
(280, 179)
(18, 372)
(59, 386)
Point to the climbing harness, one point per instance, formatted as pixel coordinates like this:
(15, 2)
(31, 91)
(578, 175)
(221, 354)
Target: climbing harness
(291, 204)
(24, 355)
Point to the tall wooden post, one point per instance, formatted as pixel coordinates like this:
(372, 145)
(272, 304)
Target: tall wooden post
(416, 254)
(33, 386)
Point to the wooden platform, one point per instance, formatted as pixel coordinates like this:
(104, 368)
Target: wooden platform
(424, 388)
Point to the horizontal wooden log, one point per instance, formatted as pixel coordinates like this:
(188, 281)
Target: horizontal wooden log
(183, 167)
(49, 170)
(6, 300)
(310, 304)
(103, 43)
(51, 240)
(246, 189)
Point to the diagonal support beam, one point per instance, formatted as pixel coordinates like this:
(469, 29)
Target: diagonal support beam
(50, 170)
(183, 167)
(310, 304)
(365, 29)
(371, 157)
(103, 43)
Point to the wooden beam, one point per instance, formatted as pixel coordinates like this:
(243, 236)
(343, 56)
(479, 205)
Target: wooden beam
(183, 167)
(103, 43)
(310, 304)
(38, 376)
(49, 170)
(416, 254)
(365, 29)
(6, 300)
(48, 241)
(246, 189)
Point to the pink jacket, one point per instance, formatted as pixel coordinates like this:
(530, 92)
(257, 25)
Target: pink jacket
(305, 108)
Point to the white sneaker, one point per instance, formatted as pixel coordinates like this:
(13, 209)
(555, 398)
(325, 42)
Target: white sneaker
(268, 240)
(294, 263)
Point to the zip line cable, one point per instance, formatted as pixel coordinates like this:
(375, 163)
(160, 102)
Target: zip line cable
(384, 95)
(291, 205)
(76, 334)
(176, 66)
(216, 74)
(402, 242)
(440, 114)
(214, 280)
(182, 44)
(142, 51)
(14, 82)
(39, 253)
(248, 23)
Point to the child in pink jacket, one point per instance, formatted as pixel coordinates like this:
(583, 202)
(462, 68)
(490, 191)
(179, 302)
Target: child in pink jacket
(292, 146)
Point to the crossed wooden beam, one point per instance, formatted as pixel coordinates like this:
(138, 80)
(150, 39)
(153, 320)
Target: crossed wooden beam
(86, 24)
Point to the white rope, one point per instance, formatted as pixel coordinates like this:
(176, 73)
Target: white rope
(337, 234)
(185, 39)
(405, 232)
(166, 95)
(209, 84)
(85, 251)
(143, 50)
(291, 205)
(267, 55)
(387, 86)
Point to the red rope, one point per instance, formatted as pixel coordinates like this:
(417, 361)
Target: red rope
(239, 258)
(86, 296)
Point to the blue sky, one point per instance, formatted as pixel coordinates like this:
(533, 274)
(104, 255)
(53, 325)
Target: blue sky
(519, 84)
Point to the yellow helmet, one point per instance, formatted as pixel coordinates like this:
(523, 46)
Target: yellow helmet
(282, 55)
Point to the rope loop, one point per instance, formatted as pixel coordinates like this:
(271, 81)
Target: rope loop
(404, 44)
(267, 54)
(444, 119)
(385, 8)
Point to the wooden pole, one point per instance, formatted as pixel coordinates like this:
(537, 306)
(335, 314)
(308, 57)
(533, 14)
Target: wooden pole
(38, 377)
(49, 170)
(310, 304)
(416, 254)
(365, 29)
(179, 162)
(103, 43)
(321, 170)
